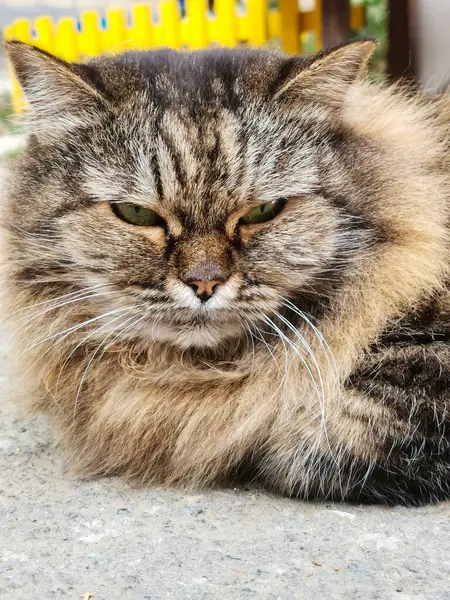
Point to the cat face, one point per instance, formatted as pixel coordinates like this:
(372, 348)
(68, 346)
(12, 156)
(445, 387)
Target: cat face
(194, 195)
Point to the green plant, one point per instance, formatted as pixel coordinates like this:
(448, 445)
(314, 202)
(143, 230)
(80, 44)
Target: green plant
(376, 27)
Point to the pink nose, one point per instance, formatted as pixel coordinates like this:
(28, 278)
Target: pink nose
(205, 289)
(205, 277)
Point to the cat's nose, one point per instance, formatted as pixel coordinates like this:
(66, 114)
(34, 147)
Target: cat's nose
(205, 289)
(205, 278)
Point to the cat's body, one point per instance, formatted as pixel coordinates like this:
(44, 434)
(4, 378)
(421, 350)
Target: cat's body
(319, 363)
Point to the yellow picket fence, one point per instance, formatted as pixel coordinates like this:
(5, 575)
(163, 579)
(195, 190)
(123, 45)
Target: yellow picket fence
(253, 22)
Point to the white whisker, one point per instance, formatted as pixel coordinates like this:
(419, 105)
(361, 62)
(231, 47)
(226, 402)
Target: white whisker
(297, 351)
(325, 346)
(58, 298)
(260, 338)
(61, 305)
(308, 349)
(70, 330)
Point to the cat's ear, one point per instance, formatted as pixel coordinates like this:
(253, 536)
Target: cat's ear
(327, 76)
(57, 93)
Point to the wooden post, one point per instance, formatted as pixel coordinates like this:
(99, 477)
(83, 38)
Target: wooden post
(401, 60)
(335, 22)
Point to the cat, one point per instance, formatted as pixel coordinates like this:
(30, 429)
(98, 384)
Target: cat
(233, 263)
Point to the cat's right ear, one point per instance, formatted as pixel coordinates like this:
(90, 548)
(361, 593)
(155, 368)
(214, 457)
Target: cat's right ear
(58, 94)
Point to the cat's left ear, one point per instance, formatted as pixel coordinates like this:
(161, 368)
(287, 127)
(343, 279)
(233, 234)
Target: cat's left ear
(327, 76)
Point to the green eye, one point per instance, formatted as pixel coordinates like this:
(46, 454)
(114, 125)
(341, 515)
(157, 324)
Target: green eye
(263, 212)
(137, 215)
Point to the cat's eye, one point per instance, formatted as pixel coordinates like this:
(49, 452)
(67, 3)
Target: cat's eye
(263, 212)
(137, 215)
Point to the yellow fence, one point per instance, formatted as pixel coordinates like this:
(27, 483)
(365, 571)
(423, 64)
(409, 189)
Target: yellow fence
(254, 22)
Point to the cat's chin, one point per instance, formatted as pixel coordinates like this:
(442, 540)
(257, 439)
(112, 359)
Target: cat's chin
(204, 335)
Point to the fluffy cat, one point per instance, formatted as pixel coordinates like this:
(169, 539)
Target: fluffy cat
(234, 262)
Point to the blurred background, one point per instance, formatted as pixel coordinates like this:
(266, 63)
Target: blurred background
(414, 40)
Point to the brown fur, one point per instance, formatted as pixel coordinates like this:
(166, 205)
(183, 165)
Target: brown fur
(298, 375)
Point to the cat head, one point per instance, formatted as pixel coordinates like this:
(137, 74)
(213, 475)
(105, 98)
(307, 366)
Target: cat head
(190, 195)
